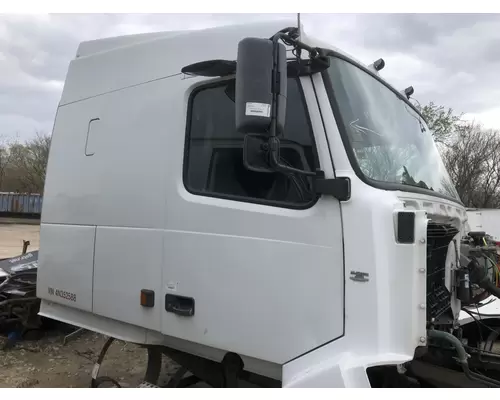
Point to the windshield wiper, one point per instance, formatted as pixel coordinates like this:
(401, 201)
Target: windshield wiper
(362, 129)
(407, 179)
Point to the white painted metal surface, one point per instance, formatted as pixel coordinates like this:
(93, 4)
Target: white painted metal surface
(67, 264)
(488, 308)
(485, 220)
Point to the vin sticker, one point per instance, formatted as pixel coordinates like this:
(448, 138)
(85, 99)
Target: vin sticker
(62, 294)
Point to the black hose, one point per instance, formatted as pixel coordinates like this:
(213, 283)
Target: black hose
(457, 344)
(462, 357)
(152, 373)
(480, 278)
(96, 382)
(487, 285)
(153, 369)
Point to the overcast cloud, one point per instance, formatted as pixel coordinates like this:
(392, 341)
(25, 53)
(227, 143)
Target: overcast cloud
(451, 59)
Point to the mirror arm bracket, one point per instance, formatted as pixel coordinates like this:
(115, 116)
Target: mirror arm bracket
(340, 188)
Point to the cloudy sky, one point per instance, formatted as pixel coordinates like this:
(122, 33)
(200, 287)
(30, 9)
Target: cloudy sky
(451, 59)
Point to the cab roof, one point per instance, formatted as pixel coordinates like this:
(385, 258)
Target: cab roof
(105, 65)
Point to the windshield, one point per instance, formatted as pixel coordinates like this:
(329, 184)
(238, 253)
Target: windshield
(391, 143)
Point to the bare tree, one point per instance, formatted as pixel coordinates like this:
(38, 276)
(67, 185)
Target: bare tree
(5, 157)
(471, 155)
(28, 164)
(473, 162)
(442, 121)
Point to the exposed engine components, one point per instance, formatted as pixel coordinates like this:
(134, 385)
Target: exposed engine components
(479, 274)
(457, 345)
(439, 237)
(463, 285)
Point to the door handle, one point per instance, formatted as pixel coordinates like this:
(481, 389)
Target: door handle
(89, 143)
(185, 312)
(180, 305)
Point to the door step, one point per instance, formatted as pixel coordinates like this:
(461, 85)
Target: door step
(147, 385)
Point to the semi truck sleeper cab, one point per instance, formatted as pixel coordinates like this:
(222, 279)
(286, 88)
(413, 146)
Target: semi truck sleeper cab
(256, 205)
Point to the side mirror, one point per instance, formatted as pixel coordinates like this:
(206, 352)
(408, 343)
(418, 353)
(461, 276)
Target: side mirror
(261, 83)
(260, 101)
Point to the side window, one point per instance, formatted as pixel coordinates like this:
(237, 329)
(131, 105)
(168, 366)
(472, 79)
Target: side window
(213, 164)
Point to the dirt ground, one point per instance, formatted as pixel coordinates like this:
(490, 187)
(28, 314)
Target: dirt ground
(47, 363)
(12, 236)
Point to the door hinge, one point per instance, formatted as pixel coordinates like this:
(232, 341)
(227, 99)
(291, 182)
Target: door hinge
(340, 188)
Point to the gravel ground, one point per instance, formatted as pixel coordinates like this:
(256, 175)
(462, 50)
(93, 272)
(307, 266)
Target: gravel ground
(47, 363)
(12, 236)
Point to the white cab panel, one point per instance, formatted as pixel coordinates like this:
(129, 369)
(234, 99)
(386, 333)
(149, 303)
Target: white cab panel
(127, 261)
(66, 265)
(254, 296)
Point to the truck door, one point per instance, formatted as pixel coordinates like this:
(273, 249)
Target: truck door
(253, 262)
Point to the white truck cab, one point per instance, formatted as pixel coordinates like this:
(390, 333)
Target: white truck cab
(164, 223)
